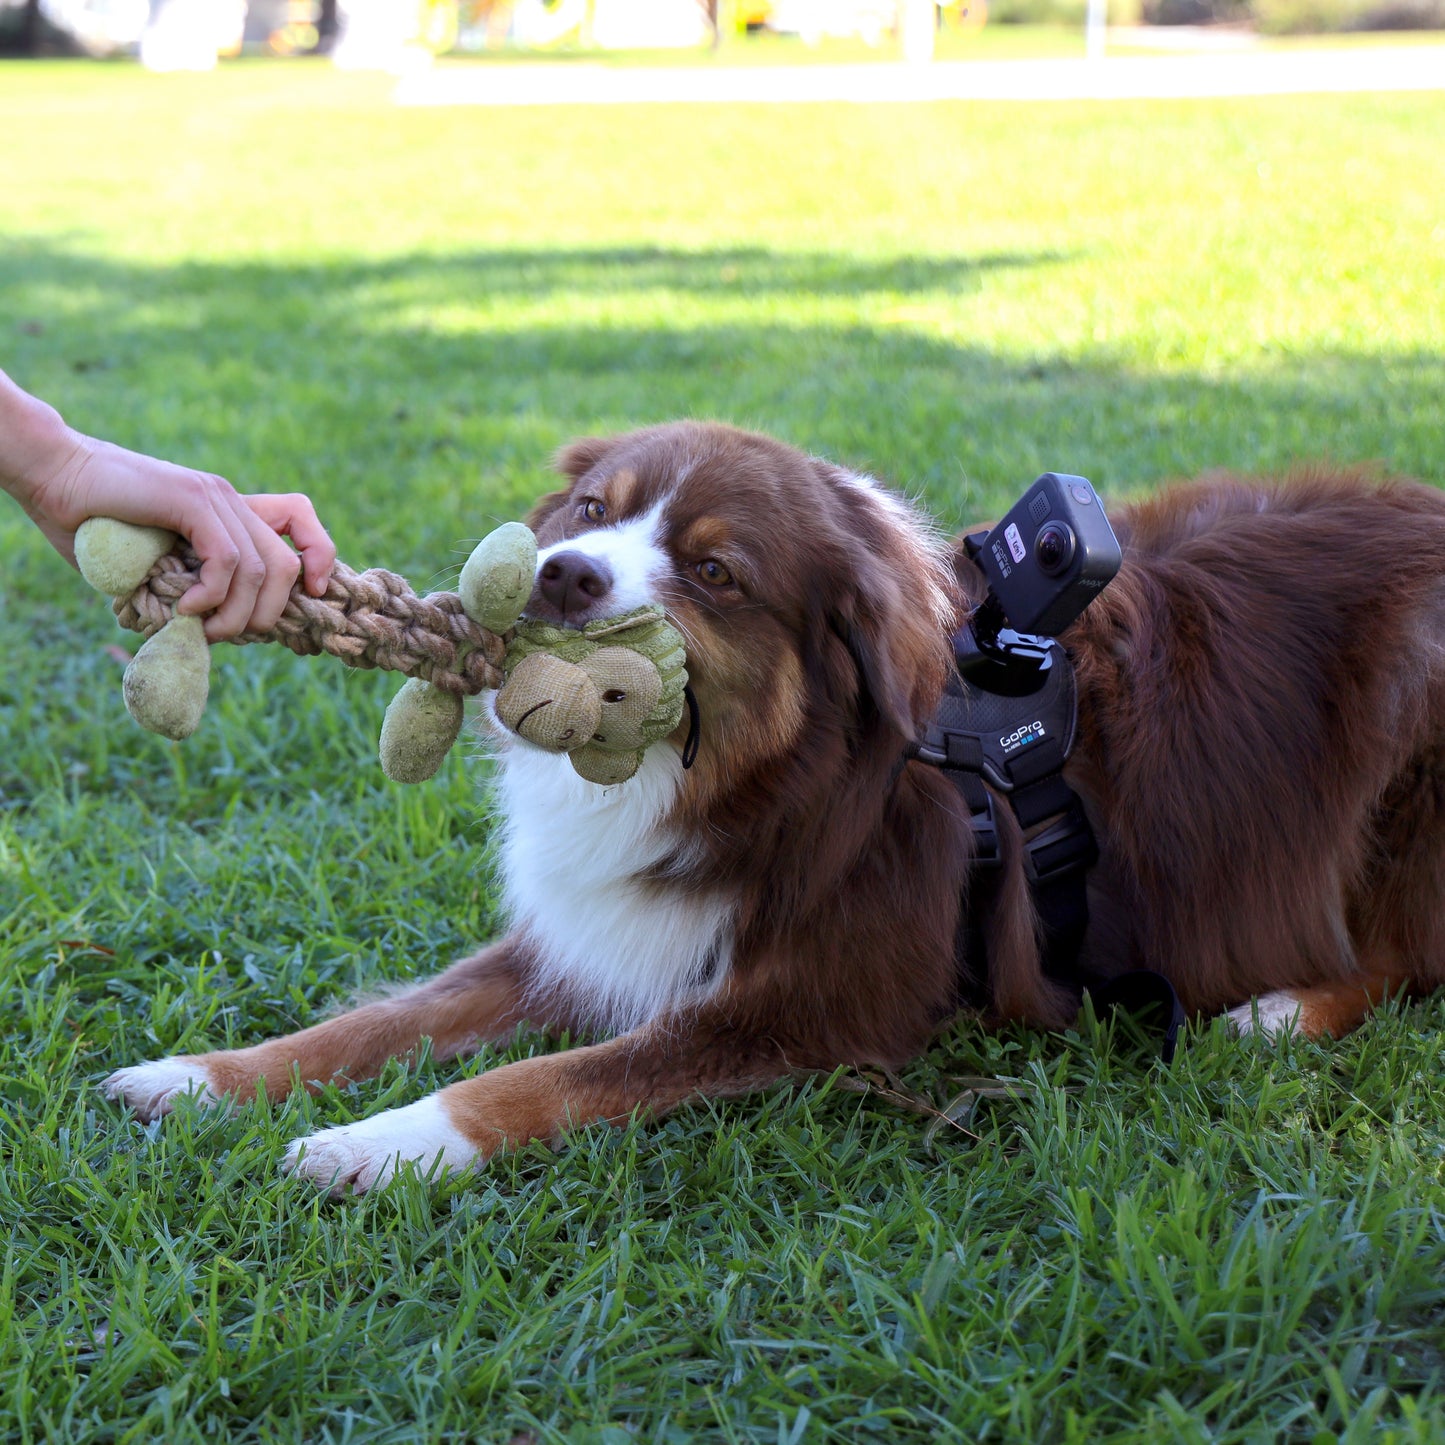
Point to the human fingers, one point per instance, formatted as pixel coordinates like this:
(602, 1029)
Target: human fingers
(98, 479)
(232, 570)
(263, 578)
(292, 515)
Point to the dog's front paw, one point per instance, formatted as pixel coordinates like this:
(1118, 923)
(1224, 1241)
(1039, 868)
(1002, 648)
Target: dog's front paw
(356, 1157)
(150, 1090)
(1271, 1015)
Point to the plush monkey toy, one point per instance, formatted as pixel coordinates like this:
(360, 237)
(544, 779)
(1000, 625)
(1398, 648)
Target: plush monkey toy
(602, 695)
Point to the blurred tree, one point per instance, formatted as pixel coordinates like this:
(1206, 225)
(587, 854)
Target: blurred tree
(712, 9)
(20, 27)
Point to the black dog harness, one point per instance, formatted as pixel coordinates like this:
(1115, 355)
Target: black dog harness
(1005, 726)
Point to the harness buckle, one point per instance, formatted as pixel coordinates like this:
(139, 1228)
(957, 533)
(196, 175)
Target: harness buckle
(986, 852)
(1066, 846)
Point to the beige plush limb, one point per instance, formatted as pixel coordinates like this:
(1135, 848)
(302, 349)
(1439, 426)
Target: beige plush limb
(167, 682)
(115, 557)
(420, 726)
(496, 579)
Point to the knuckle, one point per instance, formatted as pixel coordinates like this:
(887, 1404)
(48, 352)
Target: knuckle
(193, 490)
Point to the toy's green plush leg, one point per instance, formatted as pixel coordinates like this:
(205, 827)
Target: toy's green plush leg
(167, 681)
(598, 765)
(424, 721)
(496, 580)
(116, 557)
(421, 724)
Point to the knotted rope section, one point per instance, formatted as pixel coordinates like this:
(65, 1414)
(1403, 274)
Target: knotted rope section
(369, 619)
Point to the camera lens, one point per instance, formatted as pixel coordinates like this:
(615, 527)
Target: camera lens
(1054, 548)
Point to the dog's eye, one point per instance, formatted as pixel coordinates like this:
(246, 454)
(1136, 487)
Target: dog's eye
(714, 573)
(594, 510)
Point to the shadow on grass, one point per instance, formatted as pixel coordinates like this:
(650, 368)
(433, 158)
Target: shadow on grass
(424, 393)
(511, 272)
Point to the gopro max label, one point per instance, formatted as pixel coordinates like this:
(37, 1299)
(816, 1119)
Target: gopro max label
(1015, 542)
(1021, 737)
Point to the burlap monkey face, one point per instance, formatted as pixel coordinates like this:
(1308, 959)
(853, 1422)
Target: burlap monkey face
(602, 695)
(630, 688)
(551, 703)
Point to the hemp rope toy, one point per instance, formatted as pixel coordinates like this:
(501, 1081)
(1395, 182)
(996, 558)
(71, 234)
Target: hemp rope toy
(602, 695)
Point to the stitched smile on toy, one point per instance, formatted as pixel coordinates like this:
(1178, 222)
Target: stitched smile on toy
(532, 711)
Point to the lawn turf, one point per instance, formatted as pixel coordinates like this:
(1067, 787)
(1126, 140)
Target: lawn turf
(271, 273)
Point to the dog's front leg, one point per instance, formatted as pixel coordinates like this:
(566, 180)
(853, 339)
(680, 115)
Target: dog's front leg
(653, 1069)
(479, 998)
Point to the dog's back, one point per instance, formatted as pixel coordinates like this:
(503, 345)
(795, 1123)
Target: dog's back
(1262, 714)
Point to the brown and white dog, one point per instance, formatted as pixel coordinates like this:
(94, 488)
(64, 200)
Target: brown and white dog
(1261, 749)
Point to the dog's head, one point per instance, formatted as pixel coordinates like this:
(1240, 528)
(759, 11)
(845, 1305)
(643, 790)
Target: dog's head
(809, 597)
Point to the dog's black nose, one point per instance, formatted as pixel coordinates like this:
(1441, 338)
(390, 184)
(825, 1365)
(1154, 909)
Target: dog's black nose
(571, 582)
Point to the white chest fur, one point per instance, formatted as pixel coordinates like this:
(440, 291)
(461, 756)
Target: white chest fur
(624, 949)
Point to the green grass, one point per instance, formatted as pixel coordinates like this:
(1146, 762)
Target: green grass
(270, 273)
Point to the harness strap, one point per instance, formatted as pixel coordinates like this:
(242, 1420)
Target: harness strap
(978, 735)
(1142, 991)
(1056, 861)
(1039, 789)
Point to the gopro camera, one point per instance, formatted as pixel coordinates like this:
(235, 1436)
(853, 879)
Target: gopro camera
(1051, 556)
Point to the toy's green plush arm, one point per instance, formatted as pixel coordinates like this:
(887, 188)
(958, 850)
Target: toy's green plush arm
(167, 681)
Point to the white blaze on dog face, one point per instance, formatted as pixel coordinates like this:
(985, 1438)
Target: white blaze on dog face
(632, 553)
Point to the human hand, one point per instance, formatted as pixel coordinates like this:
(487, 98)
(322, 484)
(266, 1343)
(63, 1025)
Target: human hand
(61, 477)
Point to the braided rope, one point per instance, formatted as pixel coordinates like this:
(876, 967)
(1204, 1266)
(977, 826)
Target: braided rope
(369, 619)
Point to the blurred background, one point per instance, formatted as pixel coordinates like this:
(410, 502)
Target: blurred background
(400, 274)
(169, 32)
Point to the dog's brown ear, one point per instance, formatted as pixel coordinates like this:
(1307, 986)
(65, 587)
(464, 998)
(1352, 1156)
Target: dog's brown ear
(579, 457)
(882, 685)
(867, 625)
(543, 507)
(575, 460)
(888, 612)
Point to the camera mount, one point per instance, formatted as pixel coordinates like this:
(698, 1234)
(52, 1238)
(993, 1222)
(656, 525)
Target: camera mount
(991, 655)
